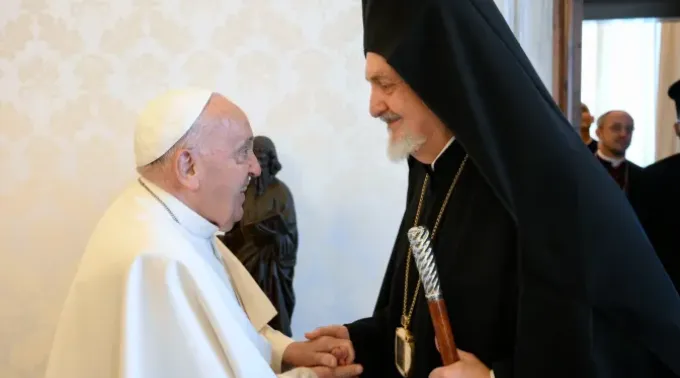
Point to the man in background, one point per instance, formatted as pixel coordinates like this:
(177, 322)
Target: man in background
(155, 295)
(661, 207)
(587, 120)
(615, 132)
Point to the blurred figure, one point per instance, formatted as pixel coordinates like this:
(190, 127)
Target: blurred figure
(660, 211)
(615, 131)
(587, 120)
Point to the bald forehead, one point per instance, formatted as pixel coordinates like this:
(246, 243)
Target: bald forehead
(220, 107)
(228, 124)
(618, 117)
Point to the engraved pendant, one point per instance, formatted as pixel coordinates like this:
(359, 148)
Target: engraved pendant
(403, 351)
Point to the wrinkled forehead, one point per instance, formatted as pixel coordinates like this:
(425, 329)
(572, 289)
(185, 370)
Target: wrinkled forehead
(377, 68)
(228, 115)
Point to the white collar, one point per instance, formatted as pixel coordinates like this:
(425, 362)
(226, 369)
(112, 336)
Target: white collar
(615, 162)
(186, 217)
(442, 151)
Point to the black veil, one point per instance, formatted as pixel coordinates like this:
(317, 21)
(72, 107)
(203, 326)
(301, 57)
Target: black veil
(587, 269)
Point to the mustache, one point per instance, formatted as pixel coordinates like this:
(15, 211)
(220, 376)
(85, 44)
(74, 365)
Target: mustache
(389, 117)
(246, 183)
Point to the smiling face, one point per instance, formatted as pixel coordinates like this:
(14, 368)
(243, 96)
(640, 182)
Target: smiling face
(413, 127)
(227, 172)
(214, 171)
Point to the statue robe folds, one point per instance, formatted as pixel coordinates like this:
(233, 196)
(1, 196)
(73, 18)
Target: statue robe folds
(266, 242)
(151, 299)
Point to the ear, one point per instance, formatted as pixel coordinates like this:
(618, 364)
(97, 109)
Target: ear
(186, 169)
(598, 132)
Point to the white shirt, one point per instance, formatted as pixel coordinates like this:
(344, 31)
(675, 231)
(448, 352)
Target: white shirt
(615, 162)
(442, 151)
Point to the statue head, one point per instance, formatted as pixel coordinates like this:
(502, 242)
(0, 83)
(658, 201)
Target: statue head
(265, 152)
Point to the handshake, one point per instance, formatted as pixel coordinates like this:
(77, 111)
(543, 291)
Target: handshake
(328, 351)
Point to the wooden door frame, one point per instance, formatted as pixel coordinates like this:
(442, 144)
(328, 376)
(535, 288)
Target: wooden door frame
(568, 17)
(567, 38)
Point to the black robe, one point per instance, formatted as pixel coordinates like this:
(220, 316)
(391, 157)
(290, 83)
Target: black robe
(593, 298)
(476, 251)
(592, 146)
(659, 209)
(631, 178)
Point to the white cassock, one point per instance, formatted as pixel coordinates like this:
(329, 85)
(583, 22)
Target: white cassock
(151, 299)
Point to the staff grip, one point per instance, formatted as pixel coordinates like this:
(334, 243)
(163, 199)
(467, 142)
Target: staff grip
(442, 331)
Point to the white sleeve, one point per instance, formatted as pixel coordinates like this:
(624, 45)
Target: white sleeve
(279, 342)
(166, 332)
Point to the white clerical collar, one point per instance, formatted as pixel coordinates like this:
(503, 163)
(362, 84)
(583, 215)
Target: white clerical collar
(615, 162)
(442, 151)
(186, 217)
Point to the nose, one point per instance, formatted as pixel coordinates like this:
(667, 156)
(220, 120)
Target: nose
(377, 105)
(254, 168)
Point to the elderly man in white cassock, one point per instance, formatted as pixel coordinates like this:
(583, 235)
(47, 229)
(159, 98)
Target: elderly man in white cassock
(155, 295)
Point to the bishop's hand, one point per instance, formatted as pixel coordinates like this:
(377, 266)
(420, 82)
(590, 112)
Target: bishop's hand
(467, 367)
(324, 355)
(344, 356)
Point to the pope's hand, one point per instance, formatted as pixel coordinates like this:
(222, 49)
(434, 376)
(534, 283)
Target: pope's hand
(347, 371)
(343, 356)
(467, 367)
(324, 351)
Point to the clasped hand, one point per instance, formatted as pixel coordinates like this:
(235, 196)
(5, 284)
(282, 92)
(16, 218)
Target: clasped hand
(328, 355)
(467, 367)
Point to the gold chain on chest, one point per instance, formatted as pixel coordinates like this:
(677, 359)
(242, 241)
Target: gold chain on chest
(406, 317)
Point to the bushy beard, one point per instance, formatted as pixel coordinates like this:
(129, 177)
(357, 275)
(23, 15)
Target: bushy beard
(405, 145)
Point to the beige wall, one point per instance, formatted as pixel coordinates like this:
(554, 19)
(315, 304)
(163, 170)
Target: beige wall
(73, 74)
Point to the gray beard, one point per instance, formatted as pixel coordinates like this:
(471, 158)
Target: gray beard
(400, 149)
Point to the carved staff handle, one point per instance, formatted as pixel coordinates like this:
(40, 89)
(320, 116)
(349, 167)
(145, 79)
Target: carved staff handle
(421, 247)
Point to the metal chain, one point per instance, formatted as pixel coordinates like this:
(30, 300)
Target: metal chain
(215, 252)
(158, 199)
(406, 319)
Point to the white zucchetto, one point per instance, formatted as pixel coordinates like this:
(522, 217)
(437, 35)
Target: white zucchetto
(165, 120)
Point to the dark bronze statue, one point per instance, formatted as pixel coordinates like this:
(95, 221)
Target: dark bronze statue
(266, 238)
